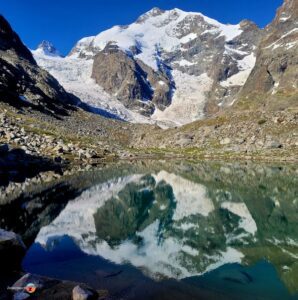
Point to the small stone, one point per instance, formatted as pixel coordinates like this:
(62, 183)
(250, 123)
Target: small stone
(274, 145)
(225, 141)
(79, 293)
(184, 142)
(240, 141)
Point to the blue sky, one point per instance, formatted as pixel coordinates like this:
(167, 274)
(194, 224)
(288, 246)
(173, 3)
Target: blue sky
(63, 22)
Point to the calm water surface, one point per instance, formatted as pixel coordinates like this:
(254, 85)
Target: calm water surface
(177, 230)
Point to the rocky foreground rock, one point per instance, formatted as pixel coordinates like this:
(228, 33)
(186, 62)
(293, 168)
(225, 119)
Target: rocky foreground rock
(47, 288)
(12, 250)
(34, 143)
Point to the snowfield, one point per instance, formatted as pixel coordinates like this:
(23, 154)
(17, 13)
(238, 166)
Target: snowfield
(245, 66)
(75, 76)
(188, 101)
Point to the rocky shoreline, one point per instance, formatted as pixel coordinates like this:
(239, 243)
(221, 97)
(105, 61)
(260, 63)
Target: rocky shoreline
(41, 144)
(84, 139)
(12, 250)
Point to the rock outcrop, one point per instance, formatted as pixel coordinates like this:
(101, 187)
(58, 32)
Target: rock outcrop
(273, 83)
(83, 293)
(22, 82)
(134, 83)
(12, 250)
(49, 289)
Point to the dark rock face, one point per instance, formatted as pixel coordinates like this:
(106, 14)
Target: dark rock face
(10, 41)
(137, 85)
(275, 74)
(22, 82)
(12, 250)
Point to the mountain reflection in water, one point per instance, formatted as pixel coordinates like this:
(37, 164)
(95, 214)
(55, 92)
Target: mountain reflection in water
(180, 223)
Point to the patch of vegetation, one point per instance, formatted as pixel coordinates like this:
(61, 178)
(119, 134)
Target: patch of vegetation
(262, 121)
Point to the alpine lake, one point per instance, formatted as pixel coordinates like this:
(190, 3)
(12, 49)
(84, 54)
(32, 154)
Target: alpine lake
(166, 229)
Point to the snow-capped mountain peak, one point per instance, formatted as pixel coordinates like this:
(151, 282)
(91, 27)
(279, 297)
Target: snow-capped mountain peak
(178, 63)
(155, 11)
(47, 48)
(167, 29)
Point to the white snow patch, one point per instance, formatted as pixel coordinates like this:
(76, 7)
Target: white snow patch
(188, 101)
(191, 197)
(188, 38)
(291, 45)
(230, 256)
(187, 226)
(240, 209)
(283, 19)
(185, 63)
(229, 50)
(245, 66)
(274, 90)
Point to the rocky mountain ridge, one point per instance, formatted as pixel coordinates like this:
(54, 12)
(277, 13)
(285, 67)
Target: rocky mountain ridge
(23, 82)
(264, 115)
(273, 82)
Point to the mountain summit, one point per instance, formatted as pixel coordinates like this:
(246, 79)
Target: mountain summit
(47, 48)
(155, 11)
